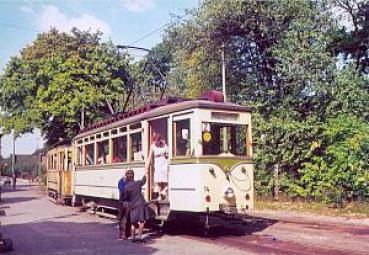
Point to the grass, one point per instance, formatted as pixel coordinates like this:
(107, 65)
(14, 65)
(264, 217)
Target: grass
(351, 210)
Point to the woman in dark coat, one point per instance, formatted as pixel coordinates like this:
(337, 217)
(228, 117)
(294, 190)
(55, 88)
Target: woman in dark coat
(139, 212)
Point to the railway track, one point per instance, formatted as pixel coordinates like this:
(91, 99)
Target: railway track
(273, 236)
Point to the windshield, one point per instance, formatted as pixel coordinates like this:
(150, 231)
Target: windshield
(224, 139)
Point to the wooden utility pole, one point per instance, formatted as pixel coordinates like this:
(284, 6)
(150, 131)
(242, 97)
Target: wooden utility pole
(13, 163)
(82, 118)
(223, 73)
(225, 138)
(1, 136)
(276, 181)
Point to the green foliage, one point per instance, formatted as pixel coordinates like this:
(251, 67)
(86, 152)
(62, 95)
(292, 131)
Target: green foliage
(304, 75)
(341, 173)
(352, 43)
(58, 76)
(281, 59)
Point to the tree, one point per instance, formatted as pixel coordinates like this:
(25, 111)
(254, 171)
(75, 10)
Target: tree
(341, 173)
(279, 59)
(56, 78)
(353, 41)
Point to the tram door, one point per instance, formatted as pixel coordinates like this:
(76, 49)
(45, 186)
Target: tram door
(157, 126)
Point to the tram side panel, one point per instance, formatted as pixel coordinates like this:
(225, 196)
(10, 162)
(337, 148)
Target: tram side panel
(185, 188)
(67, 184)
(101, 183)
(53, 183)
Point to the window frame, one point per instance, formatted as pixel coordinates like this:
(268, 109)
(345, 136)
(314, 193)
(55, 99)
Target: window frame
(229, 124)
(130, 144)
(174, 136)
(85, 153)
(112, 148)
(97, 144)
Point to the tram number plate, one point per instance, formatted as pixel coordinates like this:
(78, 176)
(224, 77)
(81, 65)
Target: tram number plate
(227, 208)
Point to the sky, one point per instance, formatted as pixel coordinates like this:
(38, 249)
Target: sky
(123, 21)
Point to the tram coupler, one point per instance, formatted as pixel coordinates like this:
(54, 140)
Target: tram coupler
(207, 222)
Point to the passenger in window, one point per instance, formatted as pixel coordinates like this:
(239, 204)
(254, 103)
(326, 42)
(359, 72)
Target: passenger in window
(159, 154)
(101, 160)
(103, 154)
(116, 160)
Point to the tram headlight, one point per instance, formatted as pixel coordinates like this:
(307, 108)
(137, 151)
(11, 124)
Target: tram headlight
(229, 195)
(208, 198)
(212, 171)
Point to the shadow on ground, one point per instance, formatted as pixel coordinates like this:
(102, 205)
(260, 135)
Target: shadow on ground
(50, 237)
(219, 227)
(12, 200)
(10, 188)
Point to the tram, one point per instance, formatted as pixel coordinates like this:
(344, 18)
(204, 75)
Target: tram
(210, 153)
(59, 174)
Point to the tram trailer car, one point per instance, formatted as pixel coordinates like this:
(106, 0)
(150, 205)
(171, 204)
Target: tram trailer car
(59, 174)
(210, 153)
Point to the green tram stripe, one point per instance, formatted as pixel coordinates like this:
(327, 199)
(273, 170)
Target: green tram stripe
(110, 166)
(226, 164)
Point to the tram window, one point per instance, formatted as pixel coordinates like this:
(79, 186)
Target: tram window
(102, 152)
(120, 149)
(79, 156)
(182, 138)
(241, 140)
(61, 161)
(69, 160)
(90, 154)
(136, 146)
(114, 131)
(123, 129)
(135, 126)
(226, 139)
(51, 162)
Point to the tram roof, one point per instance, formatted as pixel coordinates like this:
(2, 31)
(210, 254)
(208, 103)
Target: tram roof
(162, 107)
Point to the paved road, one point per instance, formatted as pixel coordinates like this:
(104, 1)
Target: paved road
(38, 226)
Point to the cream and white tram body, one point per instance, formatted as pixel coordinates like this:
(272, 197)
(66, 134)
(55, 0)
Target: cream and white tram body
(210, 154)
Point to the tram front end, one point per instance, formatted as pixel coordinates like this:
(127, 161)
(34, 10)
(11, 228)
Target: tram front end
(219, 174)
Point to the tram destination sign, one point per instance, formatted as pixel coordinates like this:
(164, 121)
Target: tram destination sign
(225, 116)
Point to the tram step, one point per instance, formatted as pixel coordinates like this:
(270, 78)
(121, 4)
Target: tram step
(161, 217)
(106, 215)
(161, 208)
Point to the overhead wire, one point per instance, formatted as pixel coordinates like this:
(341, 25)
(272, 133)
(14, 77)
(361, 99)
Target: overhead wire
(159, 29)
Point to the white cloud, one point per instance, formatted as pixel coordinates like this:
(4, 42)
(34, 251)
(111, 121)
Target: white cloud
(138, 5)
(51, 16)
(27, 9)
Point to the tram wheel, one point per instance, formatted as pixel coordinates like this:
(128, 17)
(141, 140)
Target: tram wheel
(207, 226)
(207, 232)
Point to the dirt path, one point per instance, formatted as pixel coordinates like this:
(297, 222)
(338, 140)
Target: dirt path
(269, 232)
